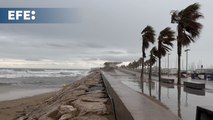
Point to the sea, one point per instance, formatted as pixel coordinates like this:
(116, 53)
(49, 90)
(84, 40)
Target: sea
(18, 83)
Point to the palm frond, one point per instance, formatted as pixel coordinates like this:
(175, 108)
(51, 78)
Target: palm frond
(174, 16)
(192, 27)
(165, 40)
(188, 27)
(148, 35)
(192, 11)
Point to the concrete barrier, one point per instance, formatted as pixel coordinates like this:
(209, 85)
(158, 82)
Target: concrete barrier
(200, 92)
(166, 85)
(167, 80)
(120, 111)
(194, 85)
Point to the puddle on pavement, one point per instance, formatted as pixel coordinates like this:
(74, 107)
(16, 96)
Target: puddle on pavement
(181, 101)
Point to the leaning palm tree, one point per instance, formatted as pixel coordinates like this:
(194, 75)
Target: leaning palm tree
(188, 29)
(148, 36)
(151, 62)
(164, 45)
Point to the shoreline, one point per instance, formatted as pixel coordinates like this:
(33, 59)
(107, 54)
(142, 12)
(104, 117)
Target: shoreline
(79, 95)
(20, 93)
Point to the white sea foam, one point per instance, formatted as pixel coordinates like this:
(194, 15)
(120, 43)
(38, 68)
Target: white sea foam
(17, 73)
(17, 83)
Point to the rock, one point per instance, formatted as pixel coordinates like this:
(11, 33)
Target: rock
(95, 91)
(64, 109)
(87, 98)
(91, 117)
(69, 98)
(81, 87)
(78, 92)
(53, 113)
(96, 85)
(90, 107)
(22, 118)
(97, 95)
(66, 117)
(91, 82)
(96, 88)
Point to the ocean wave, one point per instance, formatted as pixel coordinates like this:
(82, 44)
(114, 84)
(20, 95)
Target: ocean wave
(20, 73)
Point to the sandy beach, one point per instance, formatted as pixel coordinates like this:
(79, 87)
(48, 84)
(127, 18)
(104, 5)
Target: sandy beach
(13, 108)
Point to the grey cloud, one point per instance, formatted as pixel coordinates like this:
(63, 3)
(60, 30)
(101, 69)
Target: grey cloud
(90, 45)
(114, 52)
(33, 59)
(90, 59)
(56, 45)
(109, 30)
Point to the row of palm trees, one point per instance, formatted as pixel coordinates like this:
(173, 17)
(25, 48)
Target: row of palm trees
(188, 29)
(136, 64)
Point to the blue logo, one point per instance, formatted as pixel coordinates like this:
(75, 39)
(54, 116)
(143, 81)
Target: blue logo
(38, 15)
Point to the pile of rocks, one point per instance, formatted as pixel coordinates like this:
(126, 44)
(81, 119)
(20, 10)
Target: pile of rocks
(85, 99)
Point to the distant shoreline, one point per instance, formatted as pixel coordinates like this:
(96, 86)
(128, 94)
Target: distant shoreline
(8, 94)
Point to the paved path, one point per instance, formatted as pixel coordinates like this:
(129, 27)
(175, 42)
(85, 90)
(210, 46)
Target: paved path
(140, 107)
(209, 84)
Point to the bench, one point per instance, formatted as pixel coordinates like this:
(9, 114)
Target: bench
(194, 85)
(167, 80)
(200, 92)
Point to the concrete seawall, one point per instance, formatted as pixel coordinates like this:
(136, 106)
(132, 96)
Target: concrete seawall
(120, 111)
(131, 105)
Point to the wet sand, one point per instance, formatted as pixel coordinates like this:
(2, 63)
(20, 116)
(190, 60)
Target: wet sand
(14, 108)
(10, 93)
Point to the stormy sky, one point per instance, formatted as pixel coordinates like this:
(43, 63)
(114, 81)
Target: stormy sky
(107, 30)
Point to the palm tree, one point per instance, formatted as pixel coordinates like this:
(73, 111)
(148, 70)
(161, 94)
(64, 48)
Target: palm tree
(148, 36)
(164, 45)
(139, 62)
(151, 62)
(130, 65)
(187, 27)
(146, 65)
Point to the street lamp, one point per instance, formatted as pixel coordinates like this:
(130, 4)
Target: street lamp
(168, 64)
(187, 61)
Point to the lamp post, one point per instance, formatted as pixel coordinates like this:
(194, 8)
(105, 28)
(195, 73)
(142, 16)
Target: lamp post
(187, 61)
(168, 64)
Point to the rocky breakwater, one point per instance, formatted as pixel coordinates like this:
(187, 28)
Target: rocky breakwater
(86, 99)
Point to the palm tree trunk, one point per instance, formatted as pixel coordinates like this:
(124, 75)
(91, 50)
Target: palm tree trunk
(179, 64)
(142, 77)
(179, 101)
(159, 77)
(150, 72)
(150, 80)
(180, 31)
(159, 70)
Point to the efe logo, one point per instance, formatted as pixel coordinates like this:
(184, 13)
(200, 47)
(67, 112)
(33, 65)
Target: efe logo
(21, 14)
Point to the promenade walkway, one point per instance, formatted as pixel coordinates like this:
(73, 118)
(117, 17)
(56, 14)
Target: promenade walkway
(139, 107)
(209, 84)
